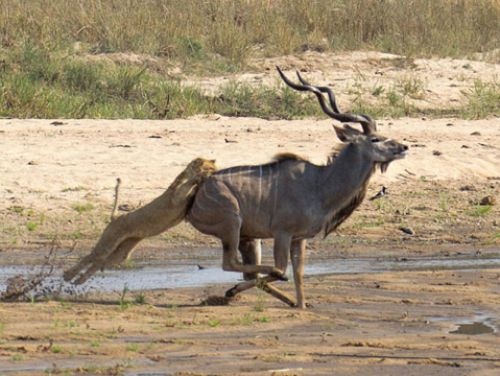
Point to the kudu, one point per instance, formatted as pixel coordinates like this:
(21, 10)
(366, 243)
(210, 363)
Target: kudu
(290, 199)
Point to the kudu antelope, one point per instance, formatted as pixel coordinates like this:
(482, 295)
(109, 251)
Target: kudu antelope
(290, 199)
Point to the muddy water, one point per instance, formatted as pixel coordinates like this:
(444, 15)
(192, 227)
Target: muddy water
(474, 328)
(186, 273)
(482, 322)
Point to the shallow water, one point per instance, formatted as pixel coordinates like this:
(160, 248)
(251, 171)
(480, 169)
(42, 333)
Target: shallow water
(187, 273)
(482, 322)
(473, 328)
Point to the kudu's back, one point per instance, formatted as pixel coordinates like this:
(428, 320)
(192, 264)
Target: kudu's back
(266, 199)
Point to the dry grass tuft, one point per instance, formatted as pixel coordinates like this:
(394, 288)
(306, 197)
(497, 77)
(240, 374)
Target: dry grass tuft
(116, 58)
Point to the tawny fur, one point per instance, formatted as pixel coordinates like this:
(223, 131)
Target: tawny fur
(123, 233)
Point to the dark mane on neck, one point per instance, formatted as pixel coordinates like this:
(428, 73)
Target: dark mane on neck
(339, 217)
(336, 150)
(287, 156)
(280, 157)
(345, 212)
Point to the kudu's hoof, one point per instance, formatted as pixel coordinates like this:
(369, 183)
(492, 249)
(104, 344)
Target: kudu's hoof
(231, 292)
(250, 276)
(279, 276)
(68, 276)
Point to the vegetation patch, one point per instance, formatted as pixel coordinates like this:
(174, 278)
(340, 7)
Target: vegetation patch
(110, 60)
(230, 32)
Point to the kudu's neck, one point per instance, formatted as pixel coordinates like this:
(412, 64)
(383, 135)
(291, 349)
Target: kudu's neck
(345, 177)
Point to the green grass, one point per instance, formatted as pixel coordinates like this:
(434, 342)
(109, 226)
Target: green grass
(260, 303)
(213, 323)
(72, 324)
(16, 209)
(126, 264)
(82, 208)
(140, 298)
(87, 89)
(193, 30)
(250, 319)
(483, 100)
(17, 357)
(95, 344)
(262, 319)
(56, 349)
(267, 102)
(32, 226)
(114, 58)
(132, 347)
(480, 210)
(73, 189)
(122, 302)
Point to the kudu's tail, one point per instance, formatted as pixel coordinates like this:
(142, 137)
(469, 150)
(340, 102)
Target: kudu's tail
(123, 233)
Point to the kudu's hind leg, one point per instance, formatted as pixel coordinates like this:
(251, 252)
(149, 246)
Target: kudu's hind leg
(230, 263)
(215, 211)
(230, 242)
(281, 248)
(264, 284)
(250, 251)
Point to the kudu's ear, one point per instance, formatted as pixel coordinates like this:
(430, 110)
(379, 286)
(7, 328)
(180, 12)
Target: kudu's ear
(346, 133)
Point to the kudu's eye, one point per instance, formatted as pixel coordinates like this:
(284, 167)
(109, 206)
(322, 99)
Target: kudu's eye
(375, 139)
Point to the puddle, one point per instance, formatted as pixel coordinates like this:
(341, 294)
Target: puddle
(186, 273)
(473, 329)
(480, 323)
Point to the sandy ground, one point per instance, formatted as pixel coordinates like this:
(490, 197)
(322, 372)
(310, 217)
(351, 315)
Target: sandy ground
(364, 324)
(58, 181)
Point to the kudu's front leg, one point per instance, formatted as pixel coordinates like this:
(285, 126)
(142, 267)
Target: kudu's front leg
(251, 253)
(281, 248)
(297, 253)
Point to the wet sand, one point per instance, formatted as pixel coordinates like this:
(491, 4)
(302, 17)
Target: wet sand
(384, 323)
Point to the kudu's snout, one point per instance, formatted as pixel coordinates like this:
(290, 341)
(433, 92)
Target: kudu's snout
(402, 149)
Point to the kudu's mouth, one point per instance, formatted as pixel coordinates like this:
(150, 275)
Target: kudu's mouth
(400, 154)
